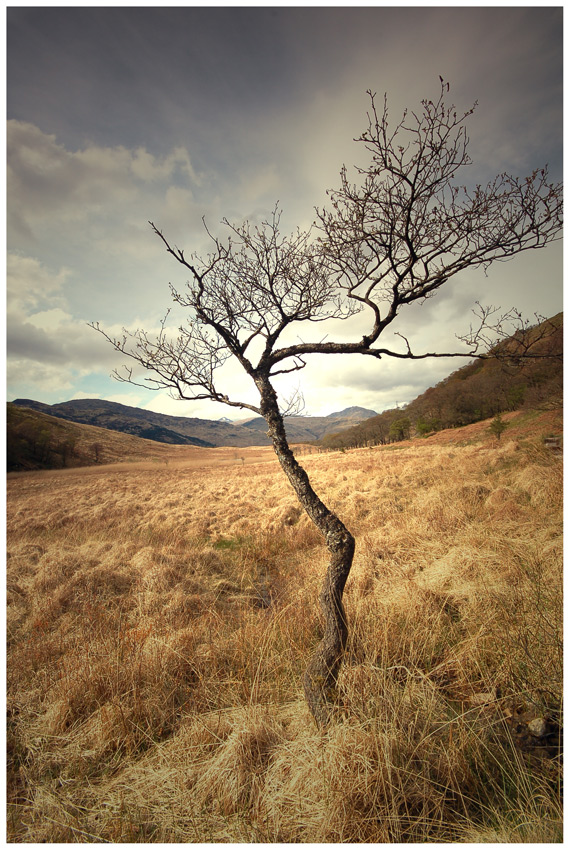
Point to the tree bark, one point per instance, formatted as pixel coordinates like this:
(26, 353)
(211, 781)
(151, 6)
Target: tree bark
(322, 671)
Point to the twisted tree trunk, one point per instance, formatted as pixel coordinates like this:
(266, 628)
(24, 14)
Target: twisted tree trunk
(322, 671)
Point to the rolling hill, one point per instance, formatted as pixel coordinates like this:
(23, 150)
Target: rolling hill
(36, 440)
(185, 430)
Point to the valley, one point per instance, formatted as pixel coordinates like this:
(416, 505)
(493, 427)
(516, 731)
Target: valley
(161, 612)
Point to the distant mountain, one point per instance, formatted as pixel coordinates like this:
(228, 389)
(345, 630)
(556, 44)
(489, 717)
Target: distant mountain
(310, 428)
(185, 430)
(352, 413)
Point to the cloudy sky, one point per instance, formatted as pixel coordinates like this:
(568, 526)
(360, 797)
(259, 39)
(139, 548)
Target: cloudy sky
(117, 116)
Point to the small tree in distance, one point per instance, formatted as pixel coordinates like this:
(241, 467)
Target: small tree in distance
(497, 426)
(394, 237)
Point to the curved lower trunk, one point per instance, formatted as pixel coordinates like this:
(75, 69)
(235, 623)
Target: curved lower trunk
(322, 672)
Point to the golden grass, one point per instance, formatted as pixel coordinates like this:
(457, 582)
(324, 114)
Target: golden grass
(160, 617)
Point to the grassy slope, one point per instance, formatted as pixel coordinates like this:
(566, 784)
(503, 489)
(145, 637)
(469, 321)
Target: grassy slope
(159, 620)
(112, 446)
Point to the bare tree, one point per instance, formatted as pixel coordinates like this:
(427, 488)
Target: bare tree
(392, 238)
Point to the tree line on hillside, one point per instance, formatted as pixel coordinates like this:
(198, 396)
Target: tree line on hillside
(477, 391)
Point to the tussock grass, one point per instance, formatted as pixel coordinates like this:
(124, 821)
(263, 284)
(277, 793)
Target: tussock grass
(160, 619)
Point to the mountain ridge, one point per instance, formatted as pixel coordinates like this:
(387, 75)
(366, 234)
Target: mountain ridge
(184, 430)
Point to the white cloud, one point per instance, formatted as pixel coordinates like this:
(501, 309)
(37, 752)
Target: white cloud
(130, 399)
(49, 185)
(29, 284)
(147, 167)
(50, 320)
(48, 349)
(161, 402)
(27, 380)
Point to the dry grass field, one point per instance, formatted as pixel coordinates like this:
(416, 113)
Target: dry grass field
(161, 613)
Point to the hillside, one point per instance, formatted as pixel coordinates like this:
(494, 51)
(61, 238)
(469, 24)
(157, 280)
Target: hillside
(184, 430)
(474, 393)
(37, 440)
(141, 423)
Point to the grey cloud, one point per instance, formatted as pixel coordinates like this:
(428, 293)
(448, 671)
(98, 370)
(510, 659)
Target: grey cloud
(71, 345)
(27, 379)
(25, 341)
(29, 284)
(45, 178)
(385, 375)
(135, 75)
(123, 63)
